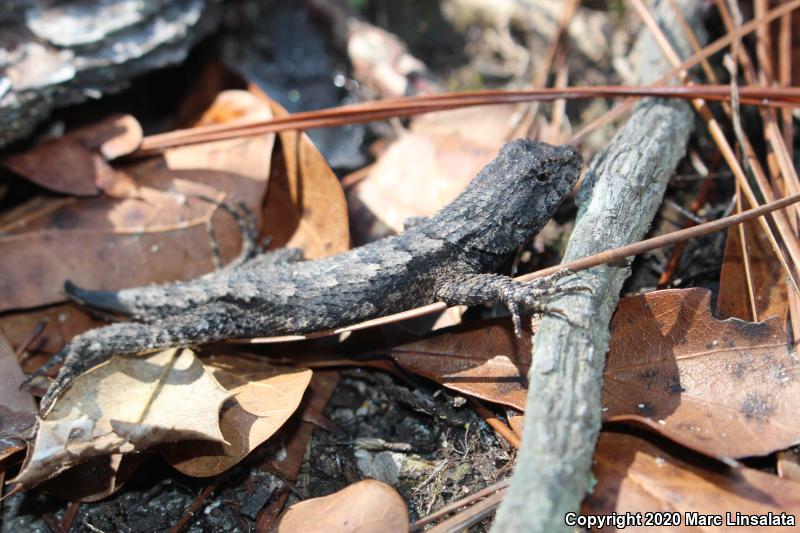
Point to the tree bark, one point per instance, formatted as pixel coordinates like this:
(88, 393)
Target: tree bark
(57, 54)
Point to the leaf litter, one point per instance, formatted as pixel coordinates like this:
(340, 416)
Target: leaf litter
(725, 388)
(672, 370)
(85, 427)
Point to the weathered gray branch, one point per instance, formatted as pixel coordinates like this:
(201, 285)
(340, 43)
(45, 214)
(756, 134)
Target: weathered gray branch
(617, 202)
(56, 54)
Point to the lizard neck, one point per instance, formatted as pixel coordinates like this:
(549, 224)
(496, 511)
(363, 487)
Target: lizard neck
(477, 221)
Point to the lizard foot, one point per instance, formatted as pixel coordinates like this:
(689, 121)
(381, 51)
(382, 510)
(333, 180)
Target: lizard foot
(517, 296)
(534, 297)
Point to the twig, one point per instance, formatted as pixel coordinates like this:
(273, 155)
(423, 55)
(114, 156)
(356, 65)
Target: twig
(195, 506)
(463, 502)
(462, 521)
(619, 197)
(416, 105)
(495, 423)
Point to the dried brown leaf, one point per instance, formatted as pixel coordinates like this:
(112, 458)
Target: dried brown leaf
(483, 359)
(113, 137)
(61, 323)
(160, 234)
(635, 476)
(17, 407)
(77, 162)
(722, 387)
(62, 165)
(306, 207)
(264, 397)
(125, 405)
(366, 506)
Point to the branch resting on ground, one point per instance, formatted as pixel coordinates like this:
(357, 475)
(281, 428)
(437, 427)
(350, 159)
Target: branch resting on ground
(618, 200)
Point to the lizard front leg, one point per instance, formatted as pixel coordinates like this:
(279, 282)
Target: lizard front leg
(477, 289)
(126, 338)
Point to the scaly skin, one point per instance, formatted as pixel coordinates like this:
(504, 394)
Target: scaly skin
(450, 257)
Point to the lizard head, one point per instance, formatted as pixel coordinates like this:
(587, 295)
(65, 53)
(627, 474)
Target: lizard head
(513, 197)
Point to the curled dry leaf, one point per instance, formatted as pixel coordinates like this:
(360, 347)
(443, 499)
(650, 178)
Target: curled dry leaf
(160, 234)
(306, 207)
(126, 405)
(77, 162)
(364, 507)
(17, 407)
(263, 398)
(635, 476)
(722, 387)
(321, 388)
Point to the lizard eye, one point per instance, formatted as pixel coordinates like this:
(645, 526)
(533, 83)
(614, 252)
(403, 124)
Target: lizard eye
(540, 175)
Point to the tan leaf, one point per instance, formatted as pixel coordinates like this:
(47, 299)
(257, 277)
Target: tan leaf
(125, 405)
(722, 387)
(246, 157)
(635, 476)
(113, 137)
(264, 397)
(159, 234)
(63, 165)
(364, 507)
(306, 206)
(17, 407)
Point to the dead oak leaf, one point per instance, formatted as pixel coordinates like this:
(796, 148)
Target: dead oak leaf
(125, 405)
(722, 387)
(483, 359)
(263, 399)
(305, 206)
(635, 476)
(161, 233)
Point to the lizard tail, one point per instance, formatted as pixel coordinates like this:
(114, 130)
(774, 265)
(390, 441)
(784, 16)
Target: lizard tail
(103, 300)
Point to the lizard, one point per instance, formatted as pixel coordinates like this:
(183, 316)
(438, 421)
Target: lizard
(452, 256)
